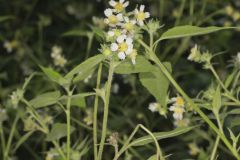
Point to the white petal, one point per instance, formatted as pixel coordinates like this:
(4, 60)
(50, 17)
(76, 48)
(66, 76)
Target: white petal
(129, 41)
(140, 23)
(112, 3)
(126, 19)
(114, 47)
(121, 55)
(133, 21)
(108, 12)
(126, 4)
(136, 11)
(120, 39)
(121, 1)
(120, 17)
(111, 33)
(142, 8)
(147, 14)
(171, 108)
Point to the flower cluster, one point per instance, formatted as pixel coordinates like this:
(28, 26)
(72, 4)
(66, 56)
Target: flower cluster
(197, 56)
(178, 107)
(156, 107)
(122, 26)
(57, 56)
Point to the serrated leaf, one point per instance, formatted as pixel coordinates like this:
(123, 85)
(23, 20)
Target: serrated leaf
(142, 65)
(156, 83)
(187, 31)
(217, 100)
(54, 75)
(160, 135)
(45, 99)
(59, 130)
(86, 65)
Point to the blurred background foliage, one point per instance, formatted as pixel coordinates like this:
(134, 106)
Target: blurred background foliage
(33, 27)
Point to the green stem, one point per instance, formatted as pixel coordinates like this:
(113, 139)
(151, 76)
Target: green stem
(106, 109)
(228, 94)
(2, 140)
(68, 115)
(215, 148)
(95, 113)
(10, 138)
(194, 106)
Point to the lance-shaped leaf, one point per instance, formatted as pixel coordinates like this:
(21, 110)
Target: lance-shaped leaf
(217, 100)
(160, 135)
(85, 66)
(187, 31)
(142, 65)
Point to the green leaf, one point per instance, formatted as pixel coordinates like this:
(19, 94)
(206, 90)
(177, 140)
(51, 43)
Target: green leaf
(45, 99)
(84, 74)
(156, 83)
(54, 75)
(160, 135)
(142, 65)
(76, 32)
(77, 99)
(217, 100)
(187, 31)
(59, 130)
(86, 65)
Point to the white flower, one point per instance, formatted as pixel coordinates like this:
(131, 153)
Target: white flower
(111, 33)
(128, 25)
(58, 59)
(124, 46)
(141, 15)
(154, 107)
(10, 45)
(112, 19)
(119, 6)
(177, 107)
(178, 112)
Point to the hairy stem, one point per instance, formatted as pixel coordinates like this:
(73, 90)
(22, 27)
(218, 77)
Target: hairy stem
(95, 113)
(106, 109)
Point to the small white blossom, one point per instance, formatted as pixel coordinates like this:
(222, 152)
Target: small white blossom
(177, 107)
(123, 46)
(128, 25)
(57, 56)
(10, 45)
(141, 15)
(119, 6)
(154, 107)
(112, 20)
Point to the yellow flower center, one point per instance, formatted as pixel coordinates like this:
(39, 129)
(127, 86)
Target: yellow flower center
(119, 7)
(113, 19)
(117, 32)
(141, 16)
(179, 101)
(128, 26)
(122, 47)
